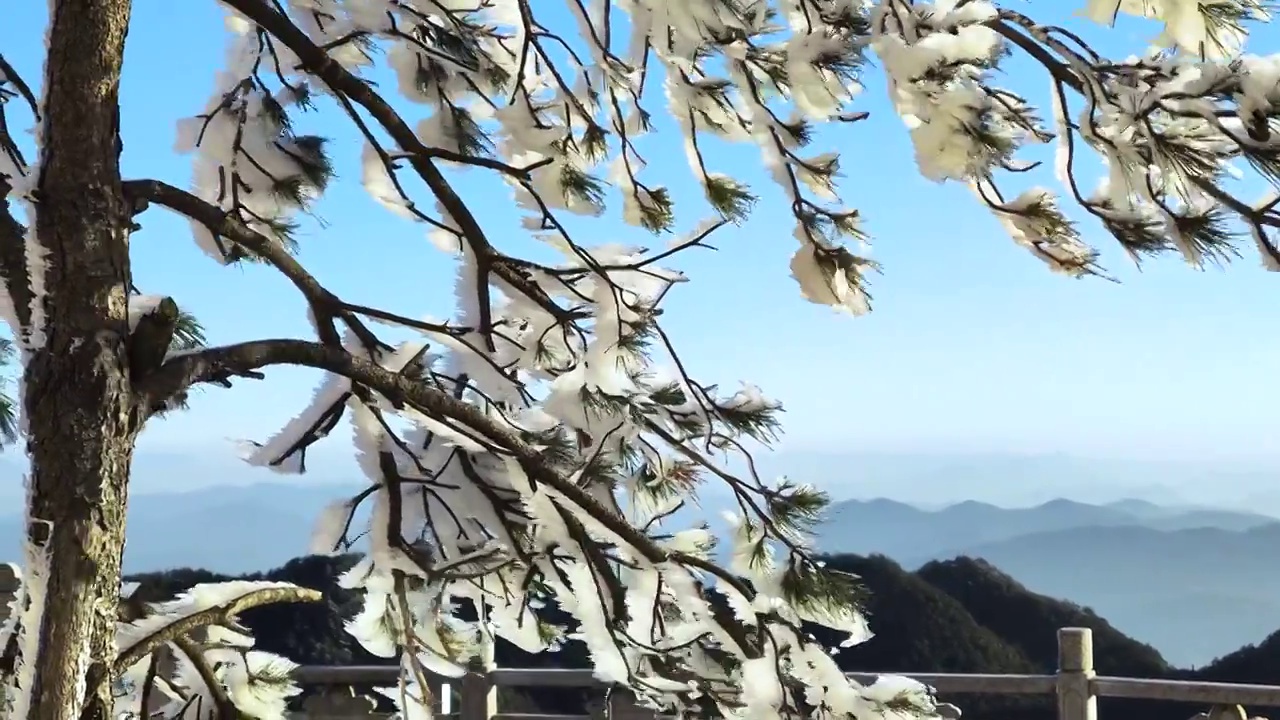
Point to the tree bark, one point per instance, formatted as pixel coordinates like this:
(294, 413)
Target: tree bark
(81, 417)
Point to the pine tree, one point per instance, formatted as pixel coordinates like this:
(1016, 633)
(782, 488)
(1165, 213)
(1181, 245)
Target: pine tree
(552, 429)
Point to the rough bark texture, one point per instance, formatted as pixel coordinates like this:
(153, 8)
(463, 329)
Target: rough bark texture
(82, 420)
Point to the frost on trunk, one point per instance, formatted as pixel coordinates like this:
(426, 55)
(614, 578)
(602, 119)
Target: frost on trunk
(535, 448)
(25, 611)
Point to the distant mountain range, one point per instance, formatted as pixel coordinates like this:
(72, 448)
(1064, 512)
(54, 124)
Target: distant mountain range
(233, 529)
(1194, 582)
(1010, 480)
(912, 535)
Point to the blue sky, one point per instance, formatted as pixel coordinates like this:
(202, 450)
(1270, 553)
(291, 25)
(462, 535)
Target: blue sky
(973, 344)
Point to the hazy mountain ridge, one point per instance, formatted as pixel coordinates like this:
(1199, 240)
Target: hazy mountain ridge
(913, 535)
(236, 529)
(232, 529)
(1135, 578)
(1196, 594)
(1194, 582)
(1015, 480)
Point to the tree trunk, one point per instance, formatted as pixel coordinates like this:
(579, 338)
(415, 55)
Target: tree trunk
(81, 417)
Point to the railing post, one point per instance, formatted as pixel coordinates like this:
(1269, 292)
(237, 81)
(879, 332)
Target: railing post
(478, 697)
(1075, 675)
(477, 693)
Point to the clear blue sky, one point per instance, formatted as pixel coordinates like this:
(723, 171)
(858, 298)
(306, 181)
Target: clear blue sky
(973, 343)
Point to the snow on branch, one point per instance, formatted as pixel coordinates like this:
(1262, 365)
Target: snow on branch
(21, 258)
(185, 659)
(553, 429)
(1175, 128)
(189, 659)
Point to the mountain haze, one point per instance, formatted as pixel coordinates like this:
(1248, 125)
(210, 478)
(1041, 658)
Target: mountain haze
(913, 535)
(1196, 594)
(236, 529)
(1126, 557)
(1196, 583)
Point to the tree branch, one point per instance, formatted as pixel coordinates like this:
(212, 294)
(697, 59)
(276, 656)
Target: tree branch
(1058, 69)
(181, 372)
(220, 614)
(225, 708)
(150, 340)
(318, 62)
(221, 224)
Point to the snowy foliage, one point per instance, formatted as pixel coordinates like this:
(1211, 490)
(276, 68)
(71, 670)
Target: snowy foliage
(210, 665)
(186, 659)
(533, 449)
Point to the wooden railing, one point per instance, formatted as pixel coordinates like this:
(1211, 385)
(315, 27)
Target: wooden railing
(1077, 687)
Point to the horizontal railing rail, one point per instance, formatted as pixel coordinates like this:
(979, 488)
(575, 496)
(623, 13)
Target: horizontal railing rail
(1075, 684)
